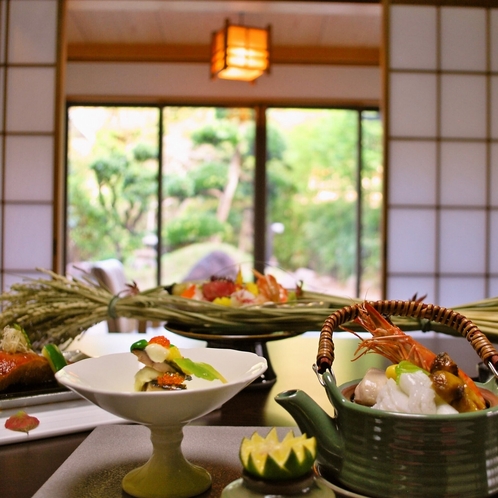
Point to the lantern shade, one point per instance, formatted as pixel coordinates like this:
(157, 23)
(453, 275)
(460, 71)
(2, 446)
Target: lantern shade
(240, 52)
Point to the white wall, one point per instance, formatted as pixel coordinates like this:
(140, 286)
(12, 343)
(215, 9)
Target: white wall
(442, 153)
(28, 139)
(189, 81)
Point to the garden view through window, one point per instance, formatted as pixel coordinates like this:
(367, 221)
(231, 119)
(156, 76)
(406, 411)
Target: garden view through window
(171, 192)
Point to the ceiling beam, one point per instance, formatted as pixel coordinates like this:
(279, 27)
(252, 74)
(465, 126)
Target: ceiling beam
(108, 52)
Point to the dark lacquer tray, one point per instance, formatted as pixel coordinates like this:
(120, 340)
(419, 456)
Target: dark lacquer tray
(48, 392)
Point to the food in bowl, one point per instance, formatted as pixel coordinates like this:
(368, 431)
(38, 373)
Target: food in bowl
(419, 381)
(406, 388)
(166, 369)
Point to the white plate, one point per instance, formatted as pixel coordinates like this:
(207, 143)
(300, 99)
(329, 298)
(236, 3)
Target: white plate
(57, 419)
(339, 491)
(38, 396)
(66, 412)
(95, 342)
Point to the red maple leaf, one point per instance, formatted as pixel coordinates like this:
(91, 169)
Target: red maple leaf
(21, 422)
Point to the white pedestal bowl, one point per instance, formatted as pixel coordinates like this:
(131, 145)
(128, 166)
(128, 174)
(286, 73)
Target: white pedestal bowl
(107, 381)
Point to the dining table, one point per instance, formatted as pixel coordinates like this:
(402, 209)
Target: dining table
(40, 467)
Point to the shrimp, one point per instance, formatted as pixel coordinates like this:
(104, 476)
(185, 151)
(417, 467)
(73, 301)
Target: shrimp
(270, 289)
(391, 342)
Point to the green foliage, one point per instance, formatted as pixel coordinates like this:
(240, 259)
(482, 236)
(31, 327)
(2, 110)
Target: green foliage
(209, 175)
(372, 193)
(219, 133)
(179, 186)
(332, 238)
(110, 192)
(194, 227)
(82, 218)
(313, 192)
(219, 176)
(209, 190)
(143, 152)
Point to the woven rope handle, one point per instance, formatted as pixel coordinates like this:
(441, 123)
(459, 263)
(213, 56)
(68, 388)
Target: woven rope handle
(445, 316)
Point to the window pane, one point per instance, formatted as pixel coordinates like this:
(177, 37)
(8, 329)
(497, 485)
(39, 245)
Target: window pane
(313, 197)
(372, 173)
(112, 188)
(324, 194)
(207, 205)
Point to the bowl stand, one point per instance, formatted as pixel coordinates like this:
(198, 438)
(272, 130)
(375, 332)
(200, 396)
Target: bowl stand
(167, 474)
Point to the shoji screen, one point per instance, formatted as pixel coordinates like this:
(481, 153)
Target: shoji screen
(442, 151)
(28, 79)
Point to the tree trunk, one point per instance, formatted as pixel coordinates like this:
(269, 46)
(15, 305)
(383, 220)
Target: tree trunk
(226, 198)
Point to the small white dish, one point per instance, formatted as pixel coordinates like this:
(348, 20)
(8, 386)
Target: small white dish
(336, 487)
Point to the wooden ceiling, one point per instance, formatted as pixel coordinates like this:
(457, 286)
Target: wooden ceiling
(303, 32)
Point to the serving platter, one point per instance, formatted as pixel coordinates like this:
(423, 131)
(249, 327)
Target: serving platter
(37, 395)
(59, 409)
(56, 419)
(235, 337)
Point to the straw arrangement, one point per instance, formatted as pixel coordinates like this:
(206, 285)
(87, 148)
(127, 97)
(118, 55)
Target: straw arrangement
(54, 308)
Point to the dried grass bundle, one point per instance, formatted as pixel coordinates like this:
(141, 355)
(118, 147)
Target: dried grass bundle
(55, 308)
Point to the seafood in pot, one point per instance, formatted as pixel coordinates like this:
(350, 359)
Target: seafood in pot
(419, 381)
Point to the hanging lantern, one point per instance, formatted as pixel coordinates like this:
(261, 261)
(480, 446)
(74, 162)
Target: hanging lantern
(240, 52)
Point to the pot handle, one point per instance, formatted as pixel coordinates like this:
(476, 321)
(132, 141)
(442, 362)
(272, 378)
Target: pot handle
(416, 309)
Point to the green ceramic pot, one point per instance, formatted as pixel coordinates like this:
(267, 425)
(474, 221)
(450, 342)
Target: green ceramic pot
(384, 454)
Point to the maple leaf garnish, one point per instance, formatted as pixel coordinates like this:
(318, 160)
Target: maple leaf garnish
(21, 422)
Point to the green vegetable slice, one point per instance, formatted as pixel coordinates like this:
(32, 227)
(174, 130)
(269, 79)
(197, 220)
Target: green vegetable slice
(199, 369)
(405, 366)
(54, 356)
(141, 344)
(23, 332)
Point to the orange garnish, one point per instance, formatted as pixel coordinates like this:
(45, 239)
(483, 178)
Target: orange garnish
(170, 379)
(189, 292)
(160, 339)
